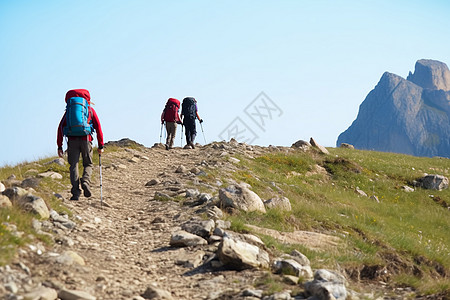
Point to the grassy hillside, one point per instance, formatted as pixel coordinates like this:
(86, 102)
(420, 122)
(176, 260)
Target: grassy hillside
(392, 236)
(402, 239)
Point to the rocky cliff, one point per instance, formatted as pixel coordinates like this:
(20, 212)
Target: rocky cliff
(408, 116)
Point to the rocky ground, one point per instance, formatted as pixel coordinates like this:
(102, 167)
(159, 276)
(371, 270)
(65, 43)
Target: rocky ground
(123, 248)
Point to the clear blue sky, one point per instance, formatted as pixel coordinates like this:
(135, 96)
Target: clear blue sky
(316, 61)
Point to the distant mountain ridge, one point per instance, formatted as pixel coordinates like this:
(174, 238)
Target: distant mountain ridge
(409, 116)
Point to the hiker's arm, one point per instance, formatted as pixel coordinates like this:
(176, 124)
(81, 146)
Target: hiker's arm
(98, 130)
(198, 117)
(59, 138)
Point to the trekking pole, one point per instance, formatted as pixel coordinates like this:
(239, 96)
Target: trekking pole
(181, 135)
(201, 126)
(160, 136)
(101, 185)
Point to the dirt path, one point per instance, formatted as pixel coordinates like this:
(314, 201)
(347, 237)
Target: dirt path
(125, 244)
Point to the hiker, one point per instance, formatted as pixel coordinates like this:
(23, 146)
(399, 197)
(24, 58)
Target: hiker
(171, 118)
(79, 123)
(189, 114)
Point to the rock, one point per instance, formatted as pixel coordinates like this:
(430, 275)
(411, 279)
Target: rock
(183, 238)
(300, 258)
(407, 189)
(223, 224)
(347, 146)
(59, 161)
(30, 183)
(123, 143)
(27, 201)
(291, 267)
(41, 293)
(234, 160)
(75, 295)
(214, 213)
(360, 192)
(252, 293)
(199, 227)
(181, 169)
(327, 285)
(156, 293)
(69, 258)
(161, 196)
(241, 255)
(190, 259)
(241, 198)
(134, 160)
(153, 182)
(192, 193)
(290, 279)
(431, 74)
(195, 170)
(321, 148)
(4, 201)
(285, 295)
(2, 187)
(433, 182)
(407, 116)
(64, 221)
(11, 287)
(281, 203)
(301, 144)
(50, 174)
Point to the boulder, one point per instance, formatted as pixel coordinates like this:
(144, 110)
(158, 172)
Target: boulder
(183, 238)
(50, 174)
(281, 203)
(301, 144)
(291, 267)
(28, 201)
(75, 295)
(241, 255)
(321, 148)
(347, 146)
(199, 227)
(433, 182)
(240, 197)
(327, 285)
(42, 293)
(156, 293)
(4, 201)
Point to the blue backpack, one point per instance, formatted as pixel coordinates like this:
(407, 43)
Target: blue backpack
(78, 118)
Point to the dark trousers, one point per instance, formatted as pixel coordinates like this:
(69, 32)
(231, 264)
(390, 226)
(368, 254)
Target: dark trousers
(75, 147)
(189, 126)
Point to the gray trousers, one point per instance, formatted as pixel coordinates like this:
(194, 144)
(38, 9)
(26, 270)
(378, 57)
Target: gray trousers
(75, 147)
(171, 128)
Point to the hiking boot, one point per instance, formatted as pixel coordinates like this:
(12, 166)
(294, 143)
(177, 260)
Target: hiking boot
(192, 145)
(86, 189)
(167, 146)
(187, 146)
(75, 197)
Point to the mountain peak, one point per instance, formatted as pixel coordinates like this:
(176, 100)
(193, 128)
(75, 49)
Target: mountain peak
(431, 74)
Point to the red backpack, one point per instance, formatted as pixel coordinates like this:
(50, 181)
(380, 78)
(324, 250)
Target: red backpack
(171, 110)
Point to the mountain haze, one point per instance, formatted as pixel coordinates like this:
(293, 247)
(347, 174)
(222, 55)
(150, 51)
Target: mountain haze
(408, 116)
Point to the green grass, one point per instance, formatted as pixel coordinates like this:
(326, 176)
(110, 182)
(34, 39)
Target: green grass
(410, 230)
(9, 243)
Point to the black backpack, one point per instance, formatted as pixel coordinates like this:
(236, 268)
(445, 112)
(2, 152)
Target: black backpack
(188, 108)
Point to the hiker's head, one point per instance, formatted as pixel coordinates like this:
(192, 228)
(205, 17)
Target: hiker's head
(79, 93)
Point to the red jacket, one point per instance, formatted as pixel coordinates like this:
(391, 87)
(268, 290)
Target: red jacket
(95, 123)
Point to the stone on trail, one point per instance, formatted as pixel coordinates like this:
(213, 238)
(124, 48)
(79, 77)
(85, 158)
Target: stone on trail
(240, 197)
(241, 255)
(75, 295)
(181, 169)
(291, 267)
(203, 228)
(183, 238)
(68, 258)
(41, 293)
(158, 294)
(153, 182)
